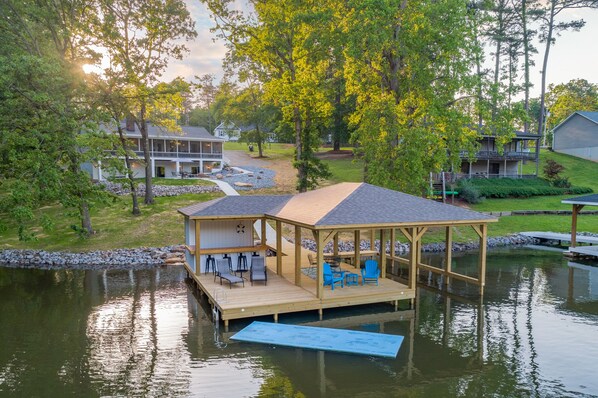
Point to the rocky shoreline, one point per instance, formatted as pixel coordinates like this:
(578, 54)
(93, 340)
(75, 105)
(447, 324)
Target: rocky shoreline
(147, 257)
(402, 248)
(159, 190)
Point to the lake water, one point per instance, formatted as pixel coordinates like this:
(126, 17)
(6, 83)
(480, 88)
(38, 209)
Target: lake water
(144, 333)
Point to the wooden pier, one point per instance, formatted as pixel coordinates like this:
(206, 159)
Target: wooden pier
(281, 295)
(546, 236)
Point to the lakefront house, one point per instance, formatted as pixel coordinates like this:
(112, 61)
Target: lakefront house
(191, 152)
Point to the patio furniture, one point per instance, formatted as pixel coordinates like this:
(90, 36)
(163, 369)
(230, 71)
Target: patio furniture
(333, 277)
(370, 272)
(241, 264)
(312, 260)
(258, 271)
(351, 279)
(210, 261)
(223, 272)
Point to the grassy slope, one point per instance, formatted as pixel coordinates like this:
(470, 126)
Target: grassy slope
(161, 225)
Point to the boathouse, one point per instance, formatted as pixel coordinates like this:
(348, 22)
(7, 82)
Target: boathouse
(243, 229)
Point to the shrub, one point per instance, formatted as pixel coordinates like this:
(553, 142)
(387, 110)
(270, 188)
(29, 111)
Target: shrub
(561, 182)
(552, 170)
(469, 192)
(521, 188)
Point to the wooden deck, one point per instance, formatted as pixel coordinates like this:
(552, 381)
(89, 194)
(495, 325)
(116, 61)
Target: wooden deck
(584, 251)
(281, 295)
(561, 237)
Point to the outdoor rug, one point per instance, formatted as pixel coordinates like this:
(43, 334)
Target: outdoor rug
(316, 338)
(310, 272)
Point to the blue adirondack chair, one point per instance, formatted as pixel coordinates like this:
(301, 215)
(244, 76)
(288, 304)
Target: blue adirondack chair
(370, 273)
(333, 277)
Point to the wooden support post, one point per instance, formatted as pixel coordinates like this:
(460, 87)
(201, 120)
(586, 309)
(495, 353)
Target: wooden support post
(335, 244)
(297, 255)
(448, 254)
(576, 209)
(197, 248)
(275, 318)
(372, 239)
(482, 260)
(382, 253)
(320, 313)
(357, 244)
(320, 261)
(263, 228)
(392, 249)
(278, 247)
(413, 248)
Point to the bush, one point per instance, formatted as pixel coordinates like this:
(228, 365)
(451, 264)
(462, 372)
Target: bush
(521, 188)
(469, 193)
(562, 182)
(552, 170)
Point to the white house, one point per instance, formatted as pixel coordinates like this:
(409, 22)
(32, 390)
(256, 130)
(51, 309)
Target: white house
(192, 152)
(577, 135)
(227, 131)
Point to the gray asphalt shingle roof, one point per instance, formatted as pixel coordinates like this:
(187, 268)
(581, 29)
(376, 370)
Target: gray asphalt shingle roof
(236, 206)
(365, 204)
(587, 199)
(370, 204)
(593, 116)
(153, 131)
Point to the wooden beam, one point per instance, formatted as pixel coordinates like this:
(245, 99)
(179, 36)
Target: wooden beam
(372, 238)
(393, 239)
(421, 232)
(335, 244)
(482, 259)
(576, 210)
(328, 237)
(413, 258)
(223, 250)
(297, 255)
(320, 261)
(263, 232)
(448, 253)
(407, 233)
(357, 244)
(477, 230)
(455, 275)
(197, 248)
(382, 253)
(279, 247)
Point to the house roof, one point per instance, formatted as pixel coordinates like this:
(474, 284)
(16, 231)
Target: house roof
(188, 132)
(341, 205)
(591, 116)
(591, 200)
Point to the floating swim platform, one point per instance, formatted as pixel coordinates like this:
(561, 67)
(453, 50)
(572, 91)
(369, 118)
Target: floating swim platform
(327, 339)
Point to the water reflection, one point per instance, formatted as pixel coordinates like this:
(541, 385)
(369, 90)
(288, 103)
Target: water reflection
(147, 333)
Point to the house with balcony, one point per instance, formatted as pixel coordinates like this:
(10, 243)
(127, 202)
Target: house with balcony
(192, 152)
(491, 163)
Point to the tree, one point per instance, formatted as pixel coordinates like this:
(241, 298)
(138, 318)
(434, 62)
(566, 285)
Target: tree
(284, 39)
(549, 29)
(140, 37)
(564, 99)
(410, 75)
(45, 109)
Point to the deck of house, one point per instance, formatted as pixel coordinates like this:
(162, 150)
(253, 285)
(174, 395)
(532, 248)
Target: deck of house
(280, 295)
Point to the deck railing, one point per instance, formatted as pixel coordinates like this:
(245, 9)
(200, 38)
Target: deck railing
(180, 155)
(507, 155)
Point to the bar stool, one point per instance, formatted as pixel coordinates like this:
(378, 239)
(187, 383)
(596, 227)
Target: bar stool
(241, 263)
(210, 261)
(230, 262)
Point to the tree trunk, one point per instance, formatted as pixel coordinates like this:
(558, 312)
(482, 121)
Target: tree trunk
(338, 119)
(142, 123)
(85, 217)
(543, 87)
(301, 169)
(260, 141)
(526, 61)
(132, 186)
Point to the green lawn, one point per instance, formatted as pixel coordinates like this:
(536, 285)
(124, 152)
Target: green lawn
(158, 225)
(579, 171)
(345, 170)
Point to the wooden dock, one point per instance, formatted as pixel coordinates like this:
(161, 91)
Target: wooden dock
(584, 251)
(281, 295)
(561, 237)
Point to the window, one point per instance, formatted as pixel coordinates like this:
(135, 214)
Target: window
(195, 147)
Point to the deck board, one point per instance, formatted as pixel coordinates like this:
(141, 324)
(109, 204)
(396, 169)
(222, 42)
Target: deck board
(281, 295)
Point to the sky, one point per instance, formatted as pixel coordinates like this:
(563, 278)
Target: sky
(574, 56)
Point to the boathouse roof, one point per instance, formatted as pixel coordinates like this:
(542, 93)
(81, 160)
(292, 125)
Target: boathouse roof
(590, 200)
(337, 206)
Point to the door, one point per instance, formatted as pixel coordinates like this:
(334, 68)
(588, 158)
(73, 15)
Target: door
(160, 171)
